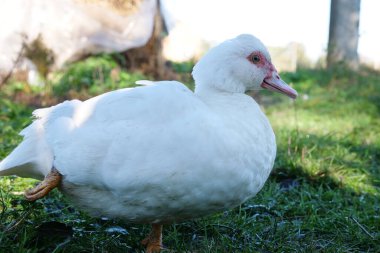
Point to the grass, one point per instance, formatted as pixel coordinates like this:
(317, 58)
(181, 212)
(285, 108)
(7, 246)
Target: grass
(323, 194)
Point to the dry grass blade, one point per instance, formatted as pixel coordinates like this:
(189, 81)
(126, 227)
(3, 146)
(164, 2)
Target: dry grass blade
(362, 228)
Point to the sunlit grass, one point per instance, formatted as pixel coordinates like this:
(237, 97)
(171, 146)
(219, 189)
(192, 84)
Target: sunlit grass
(332, 135)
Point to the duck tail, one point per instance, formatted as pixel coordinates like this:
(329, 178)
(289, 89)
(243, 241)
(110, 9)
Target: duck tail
(32, 158)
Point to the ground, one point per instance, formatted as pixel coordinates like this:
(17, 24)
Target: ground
(323, 194)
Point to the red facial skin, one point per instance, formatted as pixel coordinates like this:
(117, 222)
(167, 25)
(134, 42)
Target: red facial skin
(272, 80)
(263, 63)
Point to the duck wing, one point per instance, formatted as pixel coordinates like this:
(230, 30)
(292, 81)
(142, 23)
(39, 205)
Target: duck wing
(133, 135)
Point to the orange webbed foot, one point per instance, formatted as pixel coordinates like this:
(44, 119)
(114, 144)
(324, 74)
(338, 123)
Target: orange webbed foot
(153, 241)
(51, 181)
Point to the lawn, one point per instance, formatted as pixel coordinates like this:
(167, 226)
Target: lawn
(323, 194)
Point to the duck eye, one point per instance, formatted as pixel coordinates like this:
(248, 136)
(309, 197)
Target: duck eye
(255, 58)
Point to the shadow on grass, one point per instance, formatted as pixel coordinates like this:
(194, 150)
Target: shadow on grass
(338, 161)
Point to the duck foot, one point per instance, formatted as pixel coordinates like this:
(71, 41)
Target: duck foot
(153, 241)
(51, 181)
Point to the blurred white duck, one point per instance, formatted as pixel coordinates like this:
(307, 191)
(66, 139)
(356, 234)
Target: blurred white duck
(159, 153)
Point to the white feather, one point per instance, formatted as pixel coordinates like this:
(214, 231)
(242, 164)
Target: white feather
(144, 82)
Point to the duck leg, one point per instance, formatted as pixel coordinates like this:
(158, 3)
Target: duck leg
(51, 181)
(153, 241)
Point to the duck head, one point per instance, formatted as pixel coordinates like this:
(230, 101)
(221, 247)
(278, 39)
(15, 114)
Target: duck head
(239, 65)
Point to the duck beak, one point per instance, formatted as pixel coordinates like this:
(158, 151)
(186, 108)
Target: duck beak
(275, 83)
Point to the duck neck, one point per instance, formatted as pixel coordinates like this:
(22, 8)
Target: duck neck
(222, 100)
(223, 86)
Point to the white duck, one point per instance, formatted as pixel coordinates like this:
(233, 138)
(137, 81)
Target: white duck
(159, 153)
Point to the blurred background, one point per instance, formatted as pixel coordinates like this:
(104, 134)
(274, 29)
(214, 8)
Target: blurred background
(41, 37)
(323, 194)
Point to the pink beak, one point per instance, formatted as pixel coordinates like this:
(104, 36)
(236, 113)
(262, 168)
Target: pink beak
(275, 83)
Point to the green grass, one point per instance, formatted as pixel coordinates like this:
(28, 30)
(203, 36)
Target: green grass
(335, 133)
(323, 195)
(93, 76)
